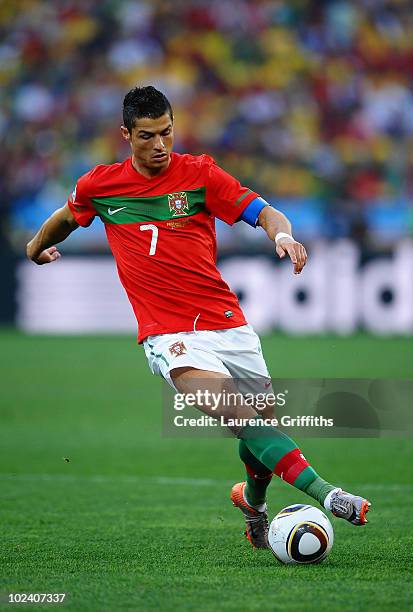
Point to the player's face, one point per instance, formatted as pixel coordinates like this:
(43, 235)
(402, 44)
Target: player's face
(151, 143)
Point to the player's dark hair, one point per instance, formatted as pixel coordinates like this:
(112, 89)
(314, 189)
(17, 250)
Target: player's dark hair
(144, 102)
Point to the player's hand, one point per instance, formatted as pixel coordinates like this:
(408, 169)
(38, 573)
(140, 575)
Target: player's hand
(295, 251)
(47, 256)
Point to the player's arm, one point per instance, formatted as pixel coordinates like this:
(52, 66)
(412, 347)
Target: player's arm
(55, 229)
(230, 202)
(278, 229)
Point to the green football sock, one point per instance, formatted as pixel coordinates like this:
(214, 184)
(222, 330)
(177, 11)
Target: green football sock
(258, 476)
(281, 455)
(319, 489)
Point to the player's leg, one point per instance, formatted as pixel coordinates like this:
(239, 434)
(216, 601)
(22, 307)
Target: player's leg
(251, 374)
(250, 497)
(240, 351)
(201, 369)
(167, 351)
(189, 380)
(281, 454)
(272, 448)
(258, 477)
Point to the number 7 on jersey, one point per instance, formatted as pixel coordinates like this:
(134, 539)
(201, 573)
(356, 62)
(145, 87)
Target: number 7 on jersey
(154, 240)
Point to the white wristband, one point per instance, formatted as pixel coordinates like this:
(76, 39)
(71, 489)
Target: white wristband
(282, 235)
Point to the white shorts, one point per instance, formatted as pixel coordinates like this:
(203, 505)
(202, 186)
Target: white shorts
(233, 352)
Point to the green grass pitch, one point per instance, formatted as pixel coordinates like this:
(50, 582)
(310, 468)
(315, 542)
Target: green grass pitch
(97, 504)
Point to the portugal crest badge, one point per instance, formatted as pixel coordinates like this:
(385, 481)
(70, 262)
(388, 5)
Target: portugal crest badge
(178, 203)
(177, 348)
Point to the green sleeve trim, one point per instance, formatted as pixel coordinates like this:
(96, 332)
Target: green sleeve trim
(244, 195)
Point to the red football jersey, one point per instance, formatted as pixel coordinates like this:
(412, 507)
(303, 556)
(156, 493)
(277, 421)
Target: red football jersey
(161, 232)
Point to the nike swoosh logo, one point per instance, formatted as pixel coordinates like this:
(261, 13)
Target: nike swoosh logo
(115, 210)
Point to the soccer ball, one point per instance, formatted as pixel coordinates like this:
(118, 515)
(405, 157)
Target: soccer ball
(301, 534)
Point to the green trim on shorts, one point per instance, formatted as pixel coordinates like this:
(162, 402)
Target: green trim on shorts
(158, 356)
(161, 357)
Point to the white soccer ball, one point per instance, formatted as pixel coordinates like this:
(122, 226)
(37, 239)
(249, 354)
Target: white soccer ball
(301, 534)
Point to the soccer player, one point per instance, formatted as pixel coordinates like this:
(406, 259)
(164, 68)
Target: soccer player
(158, 208)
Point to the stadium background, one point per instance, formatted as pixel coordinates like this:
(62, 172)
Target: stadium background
(309, 103)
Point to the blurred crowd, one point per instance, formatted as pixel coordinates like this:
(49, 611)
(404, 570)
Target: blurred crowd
(308, 102)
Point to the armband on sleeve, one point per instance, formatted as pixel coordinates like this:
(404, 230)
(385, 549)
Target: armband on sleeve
(251, 212)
